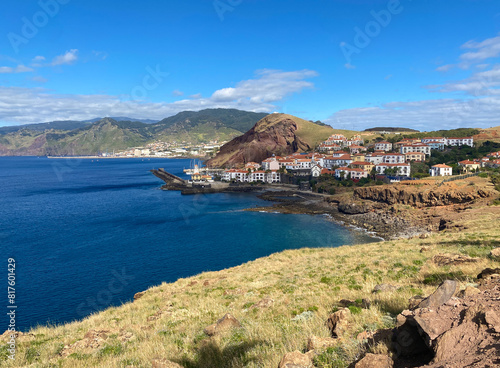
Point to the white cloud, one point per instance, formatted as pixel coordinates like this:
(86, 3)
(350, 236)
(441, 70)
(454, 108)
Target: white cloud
(445, 68)
(422, 115)
(68, 58)
(349, 66)
(486, 49)
(38, 58)
(18, 69)
(270, 86)
(482, 83)
(177, 93)
(478, 52)
(31, 105)
(480, 106)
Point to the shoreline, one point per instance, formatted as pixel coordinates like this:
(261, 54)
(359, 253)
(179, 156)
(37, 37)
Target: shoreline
(379, 225)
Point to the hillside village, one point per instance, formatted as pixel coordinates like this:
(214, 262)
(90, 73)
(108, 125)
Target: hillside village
(350, 159)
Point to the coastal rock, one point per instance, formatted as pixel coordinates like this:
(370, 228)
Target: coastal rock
(139, 295)
(421, 197)
(337, 321)
(315, 342)
(443, 293)
(295, 360)
(375, 361)
(224, 324)
(459, 333)
(452, 259)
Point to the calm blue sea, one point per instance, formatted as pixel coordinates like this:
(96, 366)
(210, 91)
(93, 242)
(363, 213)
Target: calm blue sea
(86, 234)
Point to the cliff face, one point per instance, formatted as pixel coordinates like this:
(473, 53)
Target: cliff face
(278, 134)
(416, 197)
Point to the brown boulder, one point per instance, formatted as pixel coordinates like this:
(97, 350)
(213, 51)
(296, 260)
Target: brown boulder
(315, 342)
(139, 295)
(225, 323)
(459, 333)
(443, 293)
(469, 291)
(337, 321)
(495, 254)
(295, 360)
(446, 259)
(375, 361)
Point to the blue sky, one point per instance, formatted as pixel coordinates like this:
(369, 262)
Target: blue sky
(353, 64)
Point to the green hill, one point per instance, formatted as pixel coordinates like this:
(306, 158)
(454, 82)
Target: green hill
(85, 138)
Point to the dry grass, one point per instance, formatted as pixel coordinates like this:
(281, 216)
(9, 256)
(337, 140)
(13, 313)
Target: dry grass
(168, 321)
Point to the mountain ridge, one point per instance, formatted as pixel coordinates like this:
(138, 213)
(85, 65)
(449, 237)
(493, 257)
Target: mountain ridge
(86, 138)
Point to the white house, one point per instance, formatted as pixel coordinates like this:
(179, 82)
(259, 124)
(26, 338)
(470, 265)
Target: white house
(440, 170)
(375, 158)
(271, 163)
(331, 161)
(466, 141)
(401, 169)
(393, 158)
(344, 172)
(416, 147)
(434, 139)
(383, 146)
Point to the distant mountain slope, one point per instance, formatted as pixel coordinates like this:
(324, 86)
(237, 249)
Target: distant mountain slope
(106, 134)
(40, 127)
(84, 138)
(206, 125)
(66, 124)
(279, 134)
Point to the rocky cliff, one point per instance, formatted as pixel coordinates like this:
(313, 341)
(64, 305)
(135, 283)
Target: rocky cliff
(278, 134)
(429, 196)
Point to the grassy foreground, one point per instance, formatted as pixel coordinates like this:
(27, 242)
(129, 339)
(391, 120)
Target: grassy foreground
(168, 320)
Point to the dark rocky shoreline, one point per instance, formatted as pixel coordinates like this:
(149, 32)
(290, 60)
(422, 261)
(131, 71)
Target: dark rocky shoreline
(378, 219)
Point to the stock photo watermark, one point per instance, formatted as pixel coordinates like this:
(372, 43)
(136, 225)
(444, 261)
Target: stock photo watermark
(223, 6)
(105, 296)
(150, 81)
(65, 167)
(363, 36)
(32, 25)
(200, 202)
(11, 307)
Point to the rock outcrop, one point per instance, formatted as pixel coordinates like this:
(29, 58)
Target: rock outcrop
(278, 134)
(224, 324)
(295, 360)
(419, 197)
(453, 332)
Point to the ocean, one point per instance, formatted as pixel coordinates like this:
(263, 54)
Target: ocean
(88, 234)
